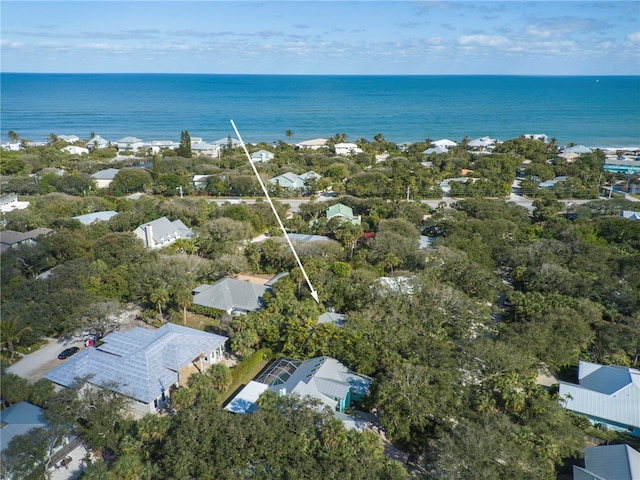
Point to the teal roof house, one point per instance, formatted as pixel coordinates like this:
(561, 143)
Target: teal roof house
(607, 395)
(19, 419)
(609, 462)
(343, 212)
(289, 181)
(142, 364)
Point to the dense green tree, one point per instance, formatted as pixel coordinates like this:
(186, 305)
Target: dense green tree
(184, 149)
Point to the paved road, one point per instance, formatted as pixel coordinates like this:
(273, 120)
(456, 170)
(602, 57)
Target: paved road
(33, 366)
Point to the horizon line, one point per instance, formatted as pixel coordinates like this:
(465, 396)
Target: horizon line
(333, 74)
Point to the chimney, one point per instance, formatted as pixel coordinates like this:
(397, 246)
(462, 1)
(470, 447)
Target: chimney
(148, 233)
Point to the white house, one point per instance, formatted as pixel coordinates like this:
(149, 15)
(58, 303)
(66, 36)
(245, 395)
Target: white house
(69, 138)
(144, 365)
(103, 178)
(205, 149)
(75, 150)
(9, 203)
(313, 144)
(445, 142)
(262, 156)
(129, 144)
(12, 146)
(157, 146)
(346, 149)
(97, 142)
(162, 232)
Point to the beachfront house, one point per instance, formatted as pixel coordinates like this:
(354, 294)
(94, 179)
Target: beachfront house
(227, 142)
(482, 145)
(346, 149)
(262, 156)
(103, 178)
(313, 144)
(162, 232)
(203, 149)
(129, 145)
(68, 138)
(608, 395)
(625, 165)
(435, 150)
(142, 364)
(231, 295)
(97, 142)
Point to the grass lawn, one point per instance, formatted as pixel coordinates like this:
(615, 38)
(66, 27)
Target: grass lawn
(246, 378)
(198, 321)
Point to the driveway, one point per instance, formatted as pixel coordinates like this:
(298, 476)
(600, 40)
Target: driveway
(34, 365)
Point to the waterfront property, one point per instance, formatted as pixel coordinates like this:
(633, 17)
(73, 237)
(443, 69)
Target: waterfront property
(144, 365)
(625, 165)
(606, 394)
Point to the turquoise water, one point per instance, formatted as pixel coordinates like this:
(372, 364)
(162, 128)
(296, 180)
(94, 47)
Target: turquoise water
(594, 111)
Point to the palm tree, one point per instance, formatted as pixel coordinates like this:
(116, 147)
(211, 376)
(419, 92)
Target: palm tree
(11, 334)
(159, 298)
(13, 136)
(183, 299)
(289, 134)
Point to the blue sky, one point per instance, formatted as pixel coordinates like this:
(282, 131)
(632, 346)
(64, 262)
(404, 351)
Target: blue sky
(322, 37)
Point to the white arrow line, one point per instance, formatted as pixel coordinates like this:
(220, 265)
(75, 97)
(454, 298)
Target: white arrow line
(314, 294)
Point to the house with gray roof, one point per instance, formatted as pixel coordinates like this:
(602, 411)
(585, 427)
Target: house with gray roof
(231, 295)
(19, 419)
(162, 232)
(322, 378)
(607, 395)
(337, 319)
(551, 184)
(97, 142)
(103, 178)
(307, 238)
(129, 144)
(11, 238)
(262, 156)
(205, 149)
(89, 218)
(609, 462)
(630, 215)
(144, 365)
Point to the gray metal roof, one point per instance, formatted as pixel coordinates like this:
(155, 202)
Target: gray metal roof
(607, 392)
(229, 294)
(163, 230)
(108, 174)
(323, 378)
(330, 317)
(89, 218)
(610, 462)
(304, 238)
(139, 363)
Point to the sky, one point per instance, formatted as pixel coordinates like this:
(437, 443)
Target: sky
(322, 37)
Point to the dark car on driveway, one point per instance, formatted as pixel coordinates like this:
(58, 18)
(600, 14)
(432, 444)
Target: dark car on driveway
(68, 352)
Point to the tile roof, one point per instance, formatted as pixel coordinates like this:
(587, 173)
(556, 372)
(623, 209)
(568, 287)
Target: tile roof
(139, 363)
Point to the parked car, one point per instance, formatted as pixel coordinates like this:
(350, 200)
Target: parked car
(68, 352)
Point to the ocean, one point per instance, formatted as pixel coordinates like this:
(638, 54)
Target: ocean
(593, 111)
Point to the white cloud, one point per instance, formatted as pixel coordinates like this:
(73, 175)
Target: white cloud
(482, 40)
(634, 37)
(5, 43)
